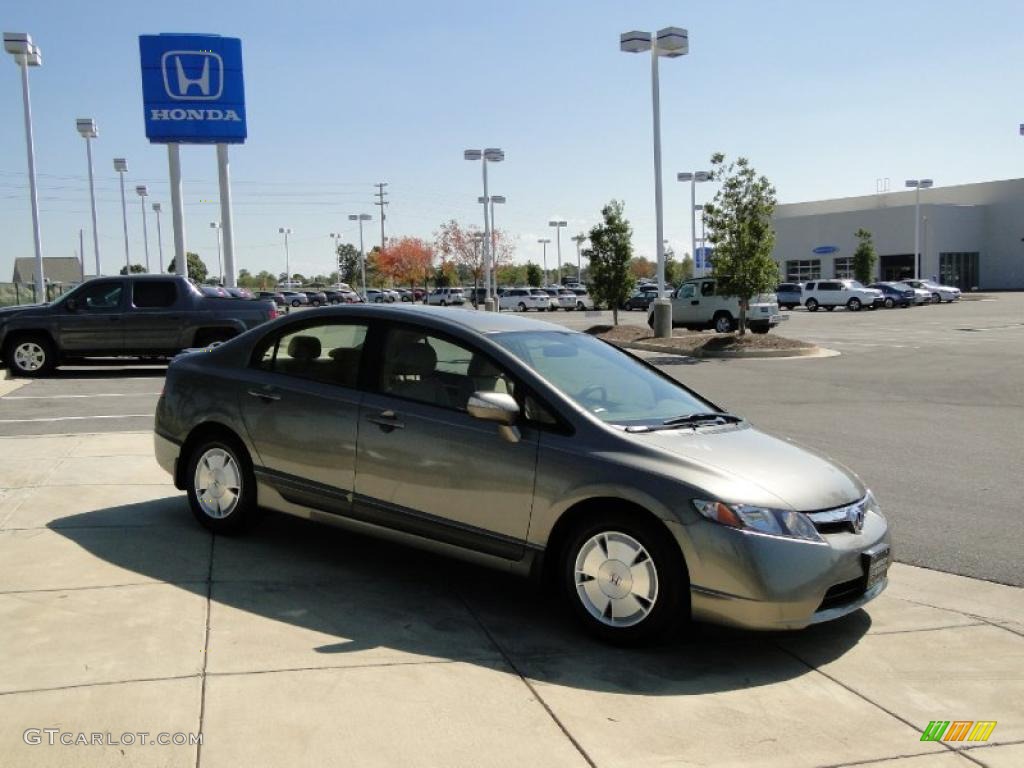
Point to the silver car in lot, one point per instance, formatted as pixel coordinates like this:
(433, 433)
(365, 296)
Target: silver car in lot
(525, 446)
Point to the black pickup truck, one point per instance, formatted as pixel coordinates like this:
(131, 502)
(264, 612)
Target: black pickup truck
(141, 316)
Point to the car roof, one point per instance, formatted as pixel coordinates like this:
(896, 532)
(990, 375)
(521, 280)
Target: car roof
(477, 321)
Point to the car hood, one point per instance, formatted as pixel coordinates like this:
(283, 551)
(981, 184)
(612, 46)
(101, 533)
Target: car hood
(7, 312)
(741, 464)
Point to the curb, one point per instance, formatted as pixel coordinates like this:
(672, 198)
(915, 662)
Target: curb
(734, 355)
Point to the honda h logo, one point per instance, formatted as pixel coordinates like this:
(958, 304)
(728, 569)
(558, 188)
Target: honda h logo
(193, 75)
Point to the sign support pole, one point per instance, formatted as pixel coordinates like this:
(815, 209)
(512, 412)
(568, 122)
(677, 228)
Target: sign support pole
(224, 177)
(177, 216)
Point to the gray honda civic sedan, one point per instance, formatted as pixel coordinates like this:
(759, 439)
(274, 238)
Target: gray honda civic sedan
(525, 446)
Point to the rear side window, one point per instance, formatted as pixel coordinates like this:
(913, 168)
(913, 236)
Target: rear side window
(707, 289)
(154, 293)
(809, 286)
(328, 353)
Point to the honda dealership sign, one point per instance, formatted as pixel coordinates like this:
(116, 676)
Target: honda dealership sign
(192, 88)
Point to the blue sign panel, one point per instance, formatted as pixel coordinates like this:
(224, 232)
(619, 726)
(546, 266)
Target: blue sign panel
(192, 89)
(703, 258)
(821, 250)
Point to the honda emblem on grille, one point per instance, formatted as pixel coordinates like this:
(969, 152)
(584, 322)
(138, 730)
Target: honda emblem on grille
(857, 518)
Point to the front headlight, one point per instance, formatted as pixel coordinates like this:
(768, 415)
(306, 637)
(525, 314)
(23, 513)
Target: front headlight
(769, 522)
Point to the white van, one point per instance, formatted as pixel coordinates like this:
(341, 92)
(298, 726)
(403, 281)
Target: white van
(696, 306)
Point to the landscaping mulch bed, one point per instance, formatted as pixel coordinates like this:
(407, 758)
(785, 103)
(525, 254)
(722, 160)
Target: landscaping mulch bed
(697, 342)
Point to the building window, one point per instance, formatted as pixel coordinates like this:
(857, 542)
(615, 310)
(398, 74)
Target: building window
(959, 270)
(802, 271)
(842, 269)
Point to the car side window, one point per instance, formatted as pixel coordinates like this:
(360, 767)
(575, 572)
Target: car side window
(101, 297)
(687, 291)
(435, 370)
(327, 352)
(707, 289)
(154, 293)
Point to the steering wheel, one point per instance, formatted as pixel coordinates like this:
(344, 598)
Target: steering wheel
(595, 395)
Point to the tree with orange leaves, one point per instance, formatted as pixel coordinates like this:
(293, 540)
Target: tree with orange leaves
(406, 260)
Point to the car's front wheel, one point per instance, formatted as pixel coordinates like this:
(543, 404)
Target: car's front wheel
(31, 356)
(812, 305)
(936, 298)
(221, 485)
(723, 323)
(296, 302)
(853, 304)
(889, 303)
(623, 580)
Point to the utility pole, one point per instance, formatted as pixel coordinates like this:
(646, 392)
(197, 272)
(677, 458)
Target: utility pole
(380, 194)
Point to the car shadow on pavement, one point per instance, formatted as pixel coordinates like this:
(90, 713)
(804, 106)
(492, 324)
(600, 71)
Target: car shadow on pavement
(384, 600)
(109, 372)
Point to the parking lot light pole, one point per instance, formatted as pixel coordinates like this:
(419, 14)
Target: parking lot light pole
(544, 242)
(87, 129)
(693, 178)
(142, 191)
(287, 259)
(558, 224)
(500, 200)
(670, 42)
(220, 264)
(27, 54)
(578, 239)
(918, 185)
(489, 155)
(121, 166)
(361, 217)
(159, 236)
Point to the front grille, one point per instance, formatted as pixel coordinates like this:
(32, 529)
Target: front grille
(843, 593)
(839, 519)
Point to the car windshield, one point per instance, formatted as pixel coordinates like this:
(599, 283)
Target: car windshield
(605, 381)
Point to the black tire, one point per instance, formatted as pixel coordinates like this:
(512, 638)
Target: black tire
(854, 304)
(760, 328)
(890, 303)
(723, 322)
(936, 298)
(671, 605)
(243, 511)
(812, 305)
(38, 359)
(581, 307)
(522, 306)
(444, 303)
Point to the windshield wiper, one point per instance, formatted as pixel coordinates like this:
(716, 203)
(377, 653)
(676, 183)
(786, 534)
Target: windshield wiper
(702, 418)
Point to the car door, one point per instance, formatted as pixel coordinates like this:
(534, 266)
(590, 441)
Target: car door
(154, 319)
(424, 465)
(90, 321)
(300, 405)
(686, 305)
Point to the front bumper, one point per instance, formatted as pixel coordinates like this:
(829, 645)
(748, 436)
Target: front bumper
(764, 582)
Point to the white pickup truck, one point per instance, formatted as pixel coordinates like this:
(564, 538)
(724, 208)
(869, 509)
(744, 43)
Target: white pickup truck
(696, 306)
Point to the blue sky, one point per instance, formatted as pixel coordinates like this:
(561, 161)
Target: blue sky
(823, 97)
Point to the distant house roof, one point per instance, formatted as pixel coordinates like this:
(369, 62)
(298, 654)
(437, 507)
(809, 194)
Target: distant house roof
(57, 269)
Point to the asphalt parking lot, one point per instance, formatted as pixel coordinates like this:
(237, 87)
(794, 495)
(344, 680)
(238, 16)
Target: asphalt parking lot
(299, 644)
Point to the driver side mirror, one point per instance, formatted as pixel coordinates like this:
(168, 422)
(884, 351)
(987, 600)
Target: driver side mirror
(498, 407)
(71, 305)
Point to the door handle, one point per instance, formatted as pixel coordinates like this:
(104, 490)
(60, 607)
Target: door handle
(386, 420)
(267, 397)
(695, 302)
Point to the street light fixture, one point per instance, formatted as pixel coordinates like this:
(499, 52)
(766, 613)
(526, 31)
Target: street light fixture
(121, 166)
(694, 178)
(159, 235)
(27, 54)
(918, 185)
(142, 191)
(558, 224)
(287, 259)
(670, 42)
(87, 129)
(544, 242)
(220, 264)
(489, 155)
(361, 217)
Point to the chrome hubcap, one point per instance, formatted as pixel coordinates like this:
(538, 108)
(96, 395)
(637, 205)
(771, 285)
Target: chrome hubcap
(616, 579)
(218, 483)
(723, 325)
(29, 356)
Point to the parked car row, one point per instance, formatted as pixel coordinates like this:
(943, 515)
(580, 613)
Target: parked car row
(829, 294)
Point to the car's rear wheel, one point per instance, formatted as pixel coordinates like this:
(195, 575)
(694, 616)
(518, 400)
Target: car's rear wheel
(723, 323)
(444, 303)
(31, 356)
(296, 302)
(580, 306)
(812, 305)
(760, 328)
(522, 306)
(853, 304)
(936, 298)
(623, 579)
(221, 485)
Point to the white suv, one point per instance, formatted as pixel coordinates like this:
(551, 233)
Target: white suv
(696, 306)
(446, 296)
(841, 293)
(522, 299)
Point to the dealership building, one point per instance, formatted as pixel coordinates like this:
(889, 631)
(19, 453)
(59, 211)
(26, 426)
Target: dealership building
(972, 235)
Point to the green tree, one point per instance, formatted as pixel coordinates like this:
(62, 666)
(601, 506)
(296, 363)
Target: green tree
(740, 222)
(348, 264)
(864, 257)
(195, 265)
(136, 270)
(534, 275)
(610, 253)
